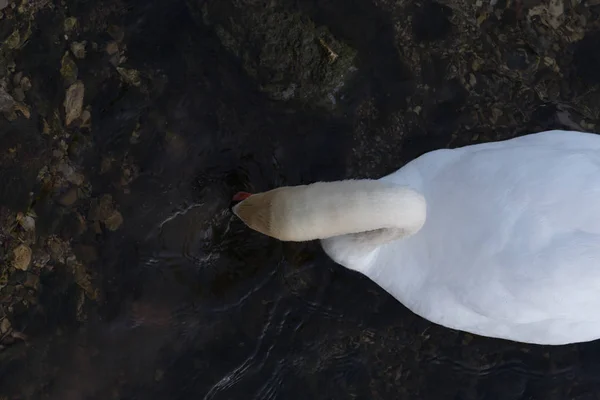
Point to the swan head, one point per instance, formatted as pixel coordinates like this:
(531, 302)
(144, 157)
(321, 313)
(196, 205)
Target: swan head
(265, 212)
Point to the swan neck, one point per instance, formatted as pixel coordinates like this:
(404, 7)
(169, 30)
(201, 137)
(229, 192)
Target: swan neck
(327, 209)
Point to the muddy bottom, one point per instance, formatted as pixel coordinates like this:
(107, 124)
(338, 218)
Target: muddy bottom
(127, 126)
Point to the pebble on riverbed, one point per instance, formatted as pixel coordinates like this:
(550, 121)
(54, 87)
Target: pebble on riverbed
(74, 102)
(5, 326)
(130, 76)
(26, 221)
(68, 69)
(289, 55)
(7, 102)
(105, 212)
(22, 257)
(78, 49)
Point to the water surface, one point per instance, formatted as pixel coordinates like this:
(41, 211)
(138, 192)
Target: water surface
(190, 304)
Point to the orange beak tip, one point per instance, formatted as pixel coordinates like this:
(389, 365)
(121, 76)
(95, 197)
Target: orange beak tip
(240, 196)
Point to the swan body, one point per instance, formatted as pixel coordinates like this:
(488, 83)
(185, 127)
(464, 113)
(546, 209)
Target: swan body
(498, 239)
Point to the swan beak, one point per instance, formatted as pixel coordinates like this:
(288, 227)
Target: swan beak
(237, 199)
(240, 196)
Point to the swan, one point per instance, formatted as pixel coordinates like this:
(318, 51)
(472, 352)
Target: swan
(498, 239)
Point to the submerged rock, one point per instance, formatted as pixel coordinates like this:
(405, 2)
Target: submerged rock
(26, 221)
(68, 69)
(69, 24)
(130, 76)
(14, 40)
(78, 49)
(7, 103)
(74, 102)
(22, 257)
(113, 221)
(104, 211)
(289, 56)
(5, 326)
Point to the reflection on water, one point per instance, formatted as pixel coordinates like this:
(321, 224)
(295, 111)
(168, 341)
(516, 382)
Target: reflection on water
(192, 304)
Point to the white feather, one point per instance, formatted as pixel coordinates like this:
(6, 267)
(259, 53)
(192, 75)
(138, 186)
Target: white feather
(511, 244)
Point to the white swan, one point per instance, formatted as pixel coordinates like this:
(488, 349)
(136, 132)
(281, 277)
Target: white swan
(497, 239)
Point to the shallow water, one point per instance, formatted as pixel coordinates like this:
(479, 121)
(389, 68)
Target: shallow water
(192, 304)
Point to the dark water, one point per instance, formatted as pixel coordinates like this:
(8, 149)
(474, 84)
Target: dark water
(194, 306)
